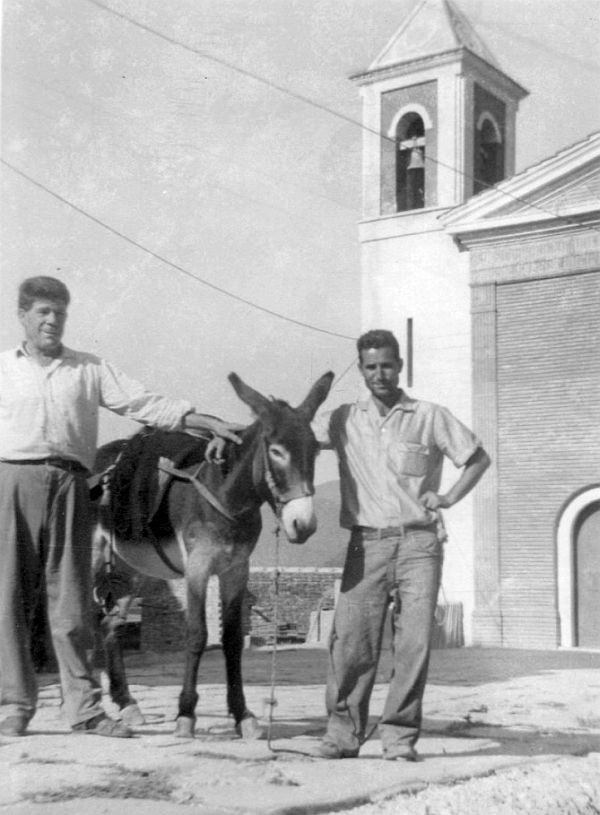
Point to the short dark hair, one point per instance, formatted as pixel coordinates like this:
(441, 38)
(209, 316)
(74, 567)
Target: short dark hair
(42, 288)
(378, 338)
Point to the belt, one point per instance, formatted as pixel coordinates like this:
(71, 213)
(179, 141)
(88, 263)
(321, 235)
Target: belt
(68, 464)
(375, 533)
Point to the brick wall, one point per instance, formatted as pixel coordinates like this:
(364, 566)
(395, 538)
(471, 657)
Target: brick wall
(537, 410)
(548, 438)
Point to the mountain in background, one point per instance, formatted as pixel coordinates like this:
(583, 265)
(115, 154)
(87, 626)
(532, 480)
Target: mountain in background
(326, 548)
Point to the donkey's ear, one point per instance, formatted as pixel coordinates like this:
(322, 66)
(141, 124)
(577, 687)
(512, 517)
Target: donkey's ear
(258, 403)
(317, 395)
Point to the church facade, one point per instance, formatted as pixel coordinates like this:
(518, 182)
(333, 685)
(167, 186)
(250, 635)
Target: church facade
(491, 282)
(534, 250)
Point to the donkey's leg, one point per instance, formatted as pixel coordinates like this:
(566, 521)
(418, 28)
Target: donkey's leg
(197, 575)
(111, 627)
(233, 586)
(113, 591)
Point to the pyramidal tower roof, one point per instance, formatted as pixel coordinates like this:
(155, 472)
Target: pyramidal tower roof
(433, 27)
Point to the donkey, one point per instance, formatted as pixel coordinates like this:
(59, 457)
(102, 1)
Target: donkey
(206, 521)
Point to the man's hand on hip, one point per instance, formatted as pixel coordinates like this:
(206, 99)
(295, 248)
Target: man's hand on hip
(431, 500)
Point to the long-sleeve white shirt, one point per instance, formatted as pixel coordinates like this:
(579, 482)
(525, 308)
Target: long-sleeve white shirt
(53, 411)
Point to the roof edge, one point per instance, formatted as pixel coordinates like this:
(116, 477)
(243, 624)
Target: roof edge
(517, 187)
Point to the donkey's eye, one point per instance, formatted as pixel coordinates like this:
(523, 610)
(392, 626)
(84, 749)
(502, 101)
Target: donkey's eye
(278, 452)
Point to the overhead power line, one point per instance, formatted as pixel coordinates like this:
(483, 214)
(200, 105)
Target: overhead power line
(170, 263)
(325, 108)
(513, 34)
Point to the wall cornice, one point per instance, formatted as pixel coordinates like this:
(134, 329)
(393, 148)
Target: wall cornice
(401, 224)
(519, 230)
(470, 61)
(406, 68)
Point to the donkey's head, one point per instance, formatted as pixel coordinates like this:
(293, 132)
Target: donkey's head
(285, 460)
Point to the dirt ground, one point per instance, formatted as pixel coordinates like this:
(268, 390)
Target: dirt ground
(568, 786)
(505, 732)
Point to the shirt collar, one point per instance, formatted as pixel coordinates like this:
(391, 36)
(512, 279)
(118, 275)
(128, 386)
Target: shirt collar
(404, 403)
(66, 353)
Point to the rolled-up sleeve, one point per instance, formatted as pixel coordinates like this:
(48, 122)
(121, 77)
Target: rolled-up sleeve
(127, 397)
(453, 438)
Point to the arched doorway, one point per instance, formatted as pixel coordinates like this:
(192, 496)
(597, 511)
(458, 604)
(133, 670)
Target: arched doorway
(586, 552)
(578, 561)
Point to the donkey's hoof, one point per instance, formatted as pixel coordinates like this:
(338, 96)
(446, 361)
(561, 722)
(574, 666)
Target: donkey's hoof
(249, 728)
(132, 716)
(184, 727)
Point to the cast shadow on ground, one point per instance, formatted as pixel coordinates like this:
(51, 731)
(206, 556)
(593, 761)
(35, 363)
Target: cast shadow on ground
(457, 736)
(461, 667)
(491, 740)
(468, 667)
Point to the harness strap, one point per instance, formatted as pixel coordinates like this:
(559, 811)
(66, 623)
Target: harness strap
(200, 487)
(270, 481)
(102, 481)
(272, 701)
(279, 498)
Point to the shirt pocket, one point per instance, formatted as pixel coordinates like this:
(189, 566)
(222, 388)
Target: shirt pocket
(409, 458)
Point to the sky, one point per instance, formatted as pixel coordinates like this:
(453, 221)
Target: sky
(227, 150)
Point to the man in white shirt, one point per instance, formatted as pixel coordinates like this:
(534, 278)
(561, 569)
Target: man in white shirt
(49, 403)
(390, 450)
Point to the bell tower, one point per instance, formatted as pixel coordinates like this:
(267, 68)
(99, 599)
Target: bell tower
(439, 115)
(439, 125)
(439, 120)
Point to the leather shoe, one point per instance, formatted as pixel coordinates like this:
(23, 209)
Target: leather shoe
(329, 749)
(14, 726)
(103, 725)
(407, 753)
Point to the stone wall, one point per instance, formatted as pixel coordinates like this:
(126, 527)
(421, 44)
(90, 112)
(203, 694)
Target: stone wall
(296, 594)
(300, 592)
(302, 600)
(163, 605)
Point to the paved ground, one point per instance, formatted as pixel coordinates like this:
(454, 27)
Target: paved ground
(488, 713)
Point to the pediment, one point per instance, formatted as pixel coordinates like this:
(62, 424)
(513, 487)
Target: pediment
(579, 191)
(566, 183)
(434, 27)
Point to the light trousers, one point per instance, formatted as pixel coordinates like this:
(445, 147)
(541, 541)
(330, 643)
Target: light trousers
(45, 549)
(404, 569)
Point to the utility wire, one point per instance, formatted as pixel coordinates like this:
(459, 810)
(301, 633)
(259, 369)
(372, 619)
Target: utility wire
(338, 379)
(167, 262)
(204, 149)
(531, 41)
(325, 108)
(288, 92)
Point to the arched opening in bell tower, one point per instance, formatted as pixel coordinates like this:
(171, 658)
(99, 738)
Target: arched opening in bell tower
(489, 153)
(410, 163)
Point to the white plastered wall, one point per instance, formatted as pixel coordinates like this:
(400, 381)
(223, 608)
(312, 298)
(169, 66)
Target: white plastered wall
(423, 276)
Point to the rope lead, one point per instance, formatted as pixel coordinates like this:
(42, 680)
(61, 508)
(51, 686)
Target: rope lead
(272, 701)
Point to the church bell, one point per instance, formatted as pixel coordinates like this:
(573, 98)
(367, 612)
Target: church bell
(415, 161)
